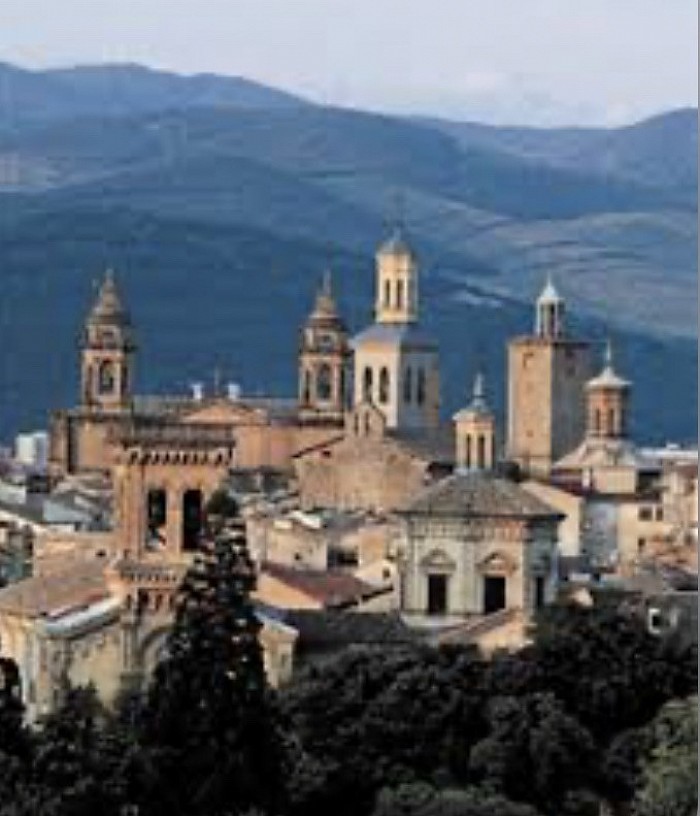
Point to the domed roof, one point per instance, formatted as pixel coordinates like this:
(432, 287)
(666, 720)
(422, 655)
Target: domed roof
(108, 308)
(325, 312)
(608, 378)
(396, 244)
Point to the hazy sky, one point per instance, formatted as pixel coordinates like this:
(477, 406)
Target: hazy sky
(529, 61)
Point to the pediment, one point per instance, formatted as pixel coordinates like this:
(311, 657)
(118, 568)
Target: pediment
(498, 563)
(439, 561)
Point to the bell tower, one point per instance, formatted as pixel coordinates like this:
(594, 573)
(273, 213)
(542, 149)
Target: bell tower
(396, 365)
(323, 358)
(475, 433)
(397, 282)
(108, 349)
(547, 376)
(608, 402)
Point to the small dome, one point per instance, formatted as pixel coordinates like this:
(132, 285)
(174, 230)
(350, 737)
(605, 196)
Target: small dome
(608, 378)
(396, 244)
(478, 404)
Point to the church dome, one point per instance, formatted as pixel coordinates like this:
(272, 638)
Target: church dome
(396, 244)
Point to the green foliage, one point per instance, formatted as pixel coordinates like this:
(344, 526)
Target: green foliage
(670, 775)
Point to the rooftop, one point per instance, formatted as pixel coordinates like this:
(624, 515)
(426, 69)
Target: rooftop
(479, 495)
(45, 596)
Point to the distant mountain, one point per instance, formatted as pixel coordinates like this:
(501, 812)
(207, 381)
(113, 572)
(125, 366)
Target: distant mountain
(28, 97)
(232, 205)
(660, 151)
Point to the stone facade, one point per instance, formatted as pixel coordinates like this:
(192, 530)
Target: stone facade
(547, 374)
(475, 545)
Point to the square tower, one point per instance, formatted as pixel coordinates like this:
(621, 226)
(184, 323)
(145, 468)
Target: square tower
(547, 375)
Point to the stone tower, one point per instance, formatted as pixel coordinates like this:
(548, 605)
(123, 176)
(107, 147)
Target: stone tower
(547, 375)
(108, 349)
(395, 362)
(475, 433)
(323, 358)
(608, 403)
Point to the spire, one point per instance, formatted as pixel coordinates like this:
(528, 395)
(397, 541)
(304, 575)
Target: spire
(478, 402)
(608, 377)
(108, 307)
(325, 307)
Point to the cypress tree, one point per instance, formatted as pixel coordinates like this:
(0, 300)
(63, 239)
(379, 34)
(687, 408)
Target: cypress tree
(208, 718)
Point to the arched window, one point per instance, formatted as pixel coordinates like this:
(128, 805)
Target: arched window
(407, 384)
(611, 420)
(481, 452)
(387, 293)
(384, 386)
(324, 382)
(399, 294)
(468, 450)
(420, 387)
(367, 384)
(192, 519)
(306, 389)
(598, 421)
(105, 377)
(156, 517)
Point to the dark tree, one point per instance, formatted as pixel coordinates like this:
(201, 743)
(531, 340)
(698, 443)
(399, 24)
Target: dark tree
(208, 723)
(15, 744)
(535, 752)
(423, 800)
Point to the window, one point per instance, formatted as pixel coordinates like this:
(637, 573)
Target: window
(367, 384)
(659, 513)
(156, 517)
(306, 390)
(192, 518)
(539, 591)
(645, 514)
(481, 452)
(641, 545)
(420, 387)
(387, 294)
(399, 294)
(384, 386)
(468, 449)
(611, 420)
(407, 384)
(324, 382)
(598, 423)
(105, 377)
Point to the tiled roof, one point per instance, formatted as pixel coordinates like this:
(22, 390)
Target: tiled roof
(434, 446)
(47, 595)
(479, 495)
(332, 589)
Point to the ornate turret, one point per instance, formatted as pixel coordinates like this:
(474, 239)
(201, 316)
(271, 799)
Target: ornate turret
(475, 432)
(607, 397)
(550, 313)
(108, 348)
(397, 281)
(323, 358)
